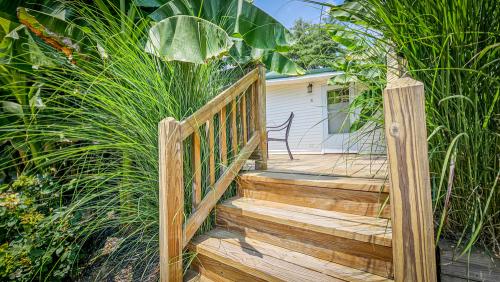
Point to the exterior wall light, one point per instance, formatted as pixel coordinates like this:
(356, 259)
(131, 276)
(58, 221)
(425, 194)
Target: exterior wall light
(310, 88)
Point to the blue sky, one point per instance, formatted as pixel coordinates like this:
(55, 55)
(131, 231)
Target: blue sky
(287, 11)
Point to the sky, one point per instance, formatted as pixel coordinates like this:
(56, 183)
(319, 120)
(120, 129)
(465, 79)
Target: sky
(287, 11)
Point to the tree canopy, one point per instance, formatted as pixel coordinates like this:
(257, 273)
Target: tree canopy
(314, 47)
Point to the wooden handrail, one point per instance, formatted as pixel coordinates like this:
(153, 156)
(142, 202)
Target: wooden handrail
(410, 188)
(215, 105)
(174, 234)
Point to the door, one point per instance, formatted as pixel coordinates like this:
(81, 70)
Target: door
(337, 120)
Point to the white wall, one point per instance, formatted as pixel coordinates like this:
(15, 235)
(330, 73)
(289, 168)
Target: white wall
(307, 128)
(309, 131)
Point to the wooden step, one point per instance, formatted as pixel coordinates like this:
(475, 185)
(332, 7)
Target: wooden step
(357, 241)
(229, 256)
(193, 276)
(361, 196)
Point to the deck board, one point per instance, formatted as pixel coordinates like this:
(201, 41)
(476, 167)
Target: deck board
(331, 164)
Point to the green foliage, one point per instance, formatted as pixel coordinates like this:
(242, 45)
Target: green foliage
(274, 61)
(313, 47)
(452, 47)
(256, 35)
(37, 234)
(169, 36)
(240, 19)
(99, 123)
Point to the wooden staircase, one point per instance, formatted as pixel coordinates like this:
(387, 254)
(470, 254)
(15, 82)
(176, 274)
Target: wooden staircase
(292, 227)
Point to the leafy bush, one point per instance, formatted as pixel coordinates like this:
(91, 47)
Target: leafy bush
(37, 233)
(100, 119)
(453, 48)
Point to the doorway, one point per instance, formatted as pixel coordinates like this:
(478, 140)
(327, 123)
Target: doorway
(337, 119)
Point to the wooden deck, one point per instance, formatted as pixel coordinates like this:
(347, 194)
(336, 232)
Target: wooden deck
(315, 218)
(372, 166)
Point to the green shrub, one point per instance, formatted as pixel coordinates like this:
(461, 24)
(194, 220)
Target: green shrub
(100, 121)
(453, 48)
(36, 231)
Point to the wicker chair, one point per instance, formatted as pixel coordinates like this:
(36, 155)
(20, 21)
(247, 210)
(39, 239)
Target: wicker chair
(284, 126)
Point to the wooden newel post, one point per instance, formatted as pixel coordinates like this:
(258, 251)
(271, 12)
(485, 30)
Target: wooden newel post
(171, 200)
(261, 163)
(410, 189)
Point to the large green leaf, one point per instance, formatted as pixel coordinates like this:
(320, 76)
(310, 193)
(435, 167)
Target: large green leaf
(238, 17)
(279, 63)
(187, 39)
(273, 60)
(249, 27)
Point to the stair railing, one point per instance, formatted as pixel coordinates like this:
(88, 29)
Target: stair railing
(174, 233)
(410, 188)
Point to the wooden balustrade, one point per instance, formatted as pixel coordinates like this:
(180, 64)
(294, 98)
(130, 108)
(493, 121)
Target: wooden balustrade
(410, 188)
(251, 139)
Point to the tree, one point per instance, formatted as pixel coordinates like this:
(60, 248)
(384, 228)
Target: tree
(313, 48)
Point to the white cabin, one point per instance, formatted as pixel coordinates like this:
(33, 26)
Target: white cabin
(322, 120)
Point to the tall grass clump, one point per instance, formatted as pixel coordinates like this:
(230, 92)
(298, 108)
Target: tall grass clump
(453, 48)
(98, 130)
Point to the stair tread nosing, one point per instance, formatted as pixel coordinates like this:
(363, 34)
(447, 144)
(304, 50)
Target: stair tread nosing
(350, 226)
(270, 262)
(333, 182)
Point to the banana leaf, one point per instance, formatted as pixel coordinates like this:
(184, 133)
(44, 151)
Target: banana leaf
(274, 61)
(256, 35)
(187, 39)
(238, 18)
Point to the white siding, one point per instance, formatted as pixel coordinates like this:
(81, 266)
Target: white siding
(307, 128)
(309, 131)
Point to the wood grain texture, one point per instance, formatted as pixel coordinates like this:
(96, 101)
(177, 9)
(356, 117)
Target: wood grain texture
(261, 163)
(476, 266)
(234, 129)
(213, 196)
(410, 189)
(394, 69)
(253, 107)
(193, 276)
(262, 266)
(359, 228)
(341, 200)
(216, 104)
(274, 263)
(360, 196)
(305, 260)
(211, 145)
(219, 271)
(223, 136)
(196, 154)
(330, 182)
(362, 256)
(244, 117)
(171, 200)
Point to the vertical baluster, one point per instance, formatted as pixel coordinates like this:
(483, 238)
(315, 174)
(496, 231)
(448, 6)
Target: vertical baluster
(261, 163)
(234, 129)
(223, 137)
(253, 107)
(211, 145)
(196, 169)
(244, 117)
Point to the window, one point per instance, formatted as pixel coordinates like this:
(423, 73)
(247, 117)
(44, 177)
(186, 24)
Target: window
(338, 112)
